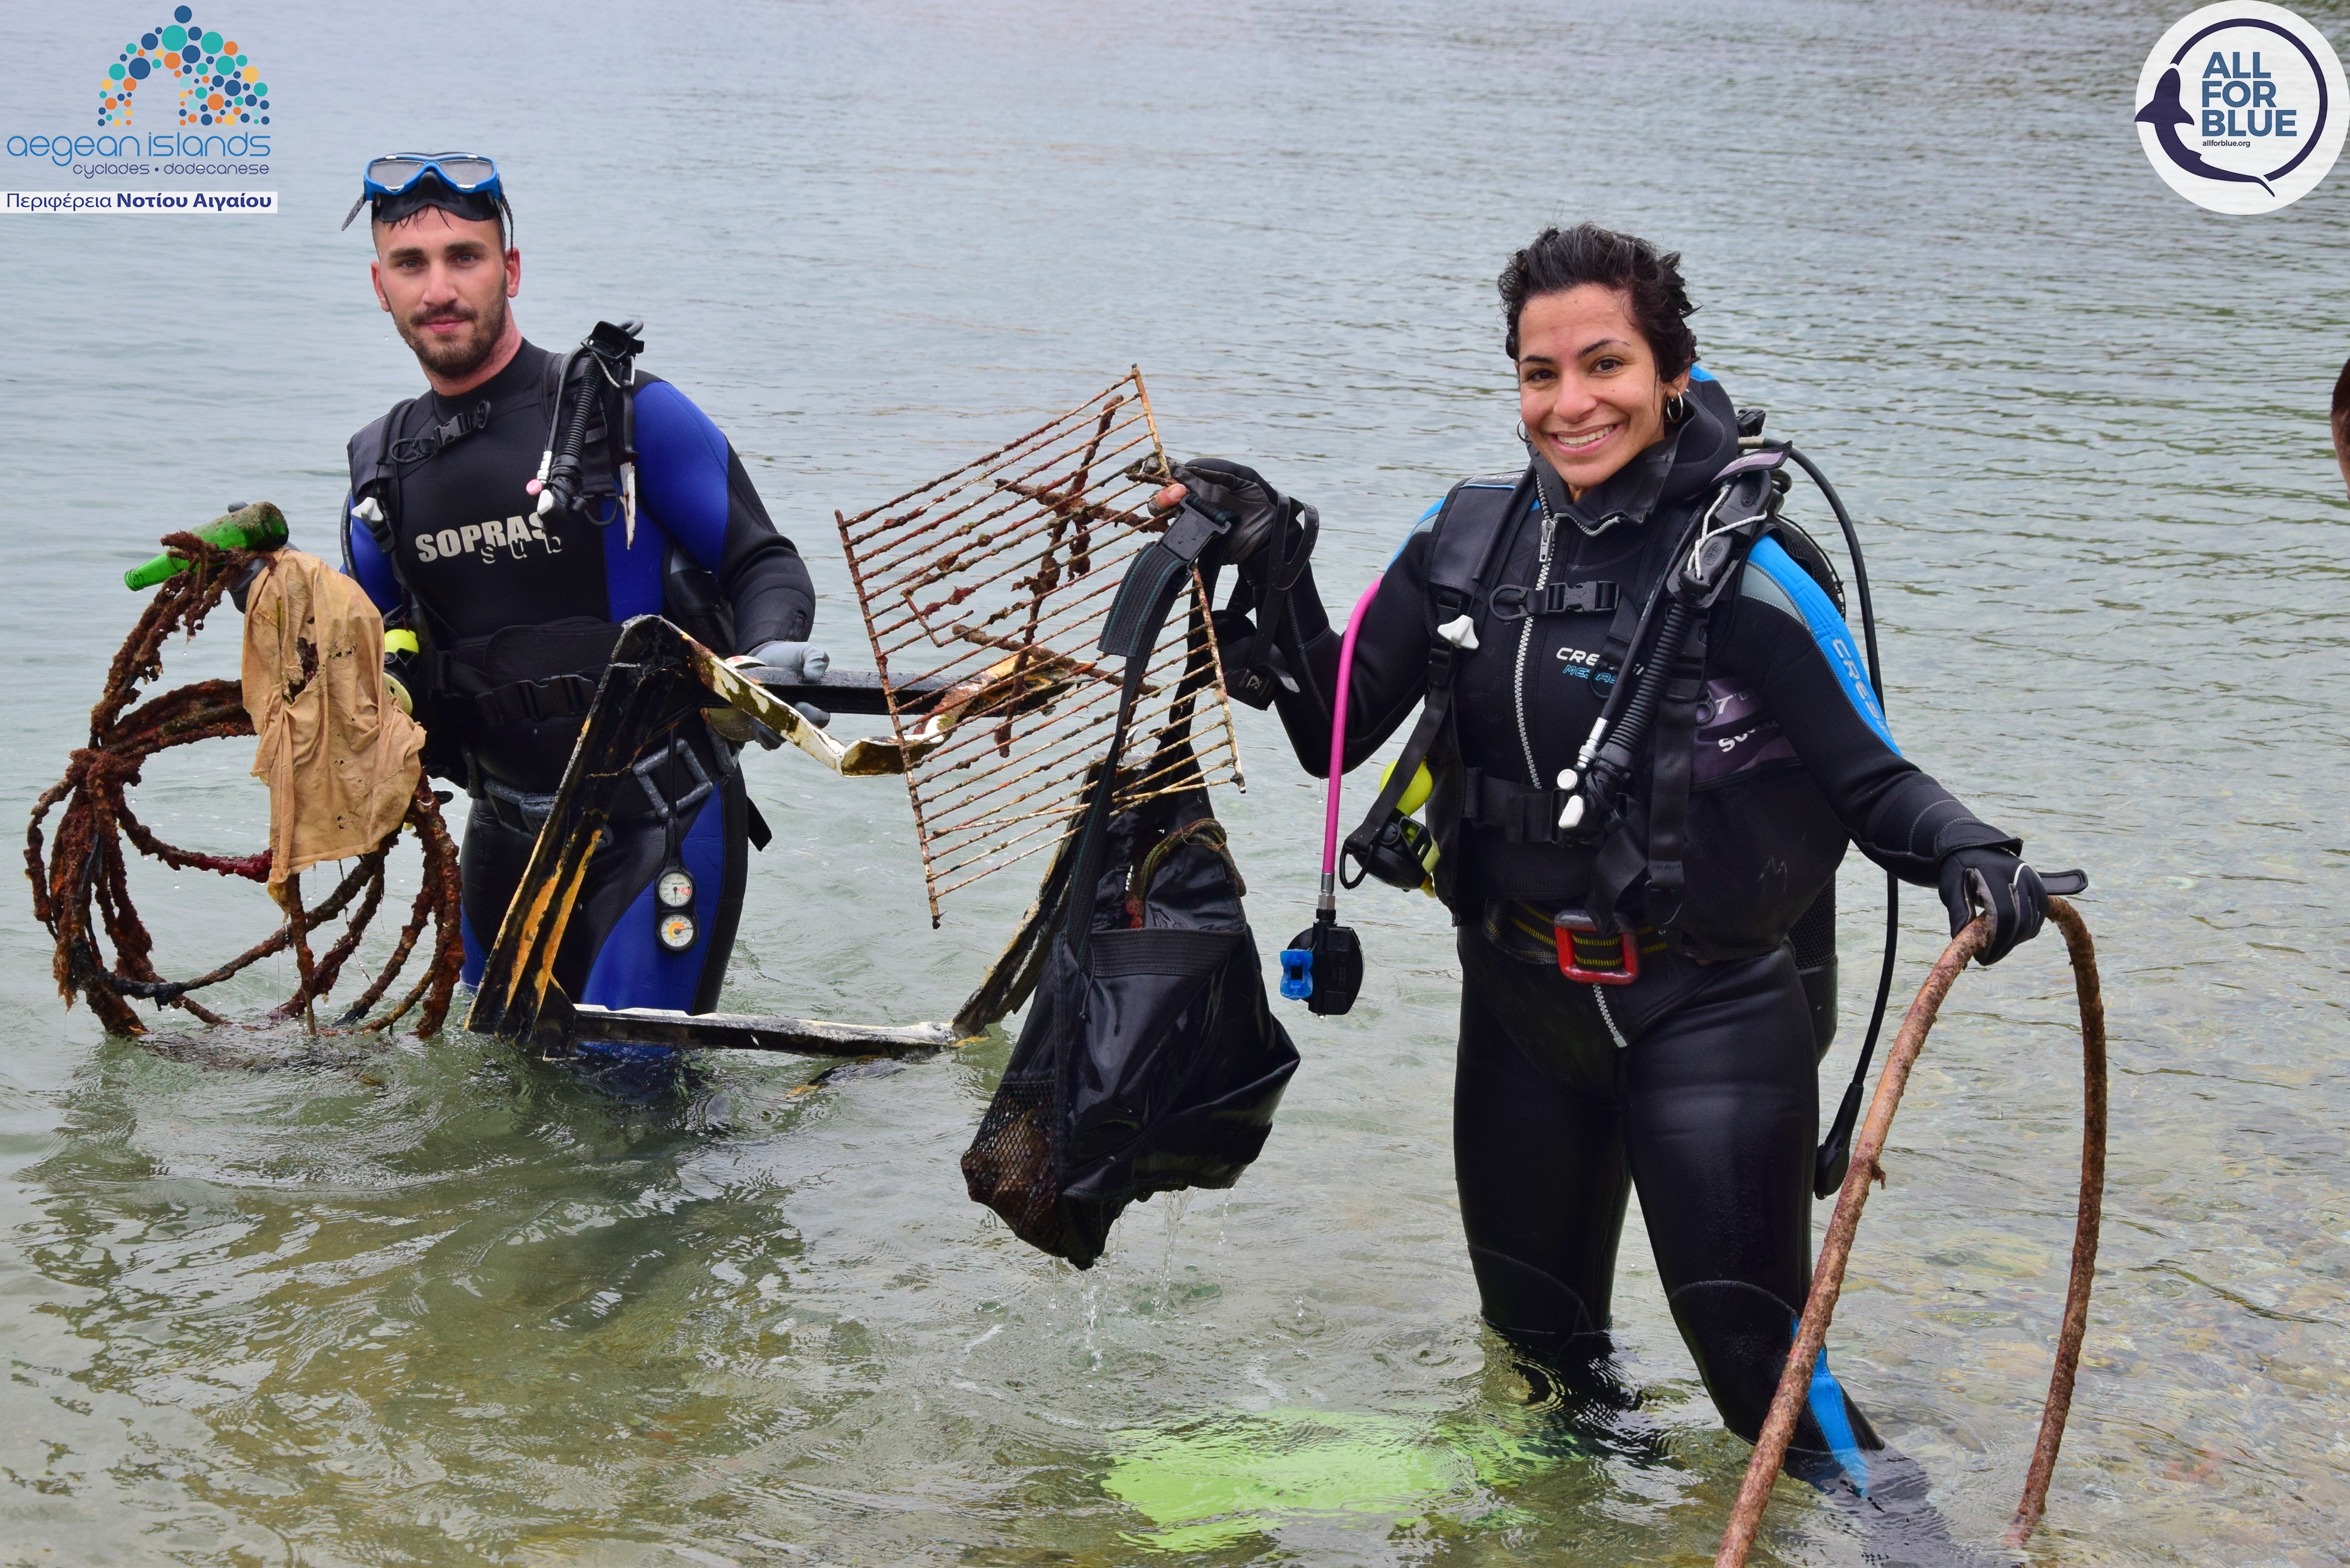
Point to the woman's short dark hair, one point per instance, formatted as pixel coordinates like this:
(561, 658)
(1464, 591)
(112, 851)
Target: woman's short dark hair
(1561, 259)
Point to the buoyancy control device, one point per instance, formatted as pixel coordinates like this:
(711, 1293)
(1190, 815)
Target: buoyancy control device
(526, 676)
(1658, 662)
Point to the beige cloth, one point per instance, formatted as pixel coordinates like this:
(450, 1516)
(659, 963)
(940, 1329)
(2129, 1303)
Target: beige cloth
(338, 755)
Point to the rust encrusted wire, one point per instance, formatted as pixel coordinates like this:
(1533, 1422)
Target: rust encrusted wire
(80, 886)
(995, 580)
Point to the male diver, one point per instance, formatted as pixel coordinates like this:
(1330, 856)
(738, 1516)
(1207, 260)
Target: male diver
(503, 577)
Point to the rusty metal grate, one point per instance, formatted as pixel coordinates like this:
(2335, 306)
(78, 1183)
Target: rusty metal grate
(992, 582)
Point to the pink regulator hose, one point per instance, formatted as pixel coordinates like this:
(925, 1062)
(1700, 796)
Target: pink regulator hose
(1338, 736)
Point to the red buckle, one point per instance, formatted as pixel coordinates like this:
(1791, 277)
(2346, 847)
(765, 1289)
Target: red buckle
(1565, 924)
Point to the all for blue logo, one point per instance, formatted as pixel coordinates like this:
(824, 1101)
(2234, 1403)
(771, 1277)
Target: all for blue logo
(2240, 106)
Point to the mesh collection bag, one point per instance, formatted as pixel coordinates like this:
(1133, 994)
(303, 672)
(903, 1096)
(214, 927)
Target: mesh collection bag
(1150, 1059)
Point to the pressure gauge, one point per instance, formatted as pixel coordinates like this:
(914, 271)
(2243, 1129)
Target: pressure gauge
(674, 888)
(676, 933)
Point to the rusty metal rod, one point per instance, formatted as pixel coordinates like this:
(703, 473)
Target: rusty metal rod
(921, 565)
(1069, 707)
(922, 615)
(916, 557)
(988, 870)
(419, 913)
(330, 968)
(1078, 715)
(1835, 1251)
(1010, 535)
(2091, 1211)
(1079, 732)
(1125, 802)
(965, 798)
(1187, 767)
(978, 466)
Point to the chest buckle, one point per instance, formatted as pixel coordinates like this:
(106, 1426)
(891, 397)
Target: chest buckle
(1515, 602)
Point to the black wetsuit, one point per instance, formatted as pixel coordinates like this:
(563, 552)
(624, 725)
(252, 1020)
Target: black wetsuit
(509, 601)
(1696, 1083)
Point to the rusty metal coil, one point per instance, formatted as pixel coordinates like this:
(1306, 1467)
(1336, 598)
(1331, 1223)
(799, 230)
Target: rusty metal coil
(81, 892)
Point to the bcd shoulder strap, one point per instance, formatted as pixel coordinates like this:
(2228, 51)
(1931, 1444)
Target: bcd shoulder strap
(374, 500)
(1651, 838)
(1468, 534)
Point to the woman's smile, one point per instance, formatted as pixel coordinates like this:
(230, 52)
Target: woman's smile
(1582, 441)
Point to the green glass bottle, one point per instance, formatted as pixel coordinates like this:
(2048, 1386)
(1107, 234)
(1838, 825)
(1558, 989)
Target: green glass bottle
(259, 526)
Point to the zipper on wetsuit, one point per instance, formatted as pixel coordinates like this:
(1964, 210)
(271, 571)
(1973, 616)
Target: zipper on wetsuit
(1526, 638)
(1525, 733)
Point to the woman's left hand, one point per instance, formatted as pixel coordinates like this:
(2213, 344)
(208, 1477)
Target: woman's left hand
(2001, 888)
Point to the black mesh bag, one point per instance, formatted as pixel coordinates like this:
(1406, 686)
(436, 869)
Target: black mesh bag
(1150, 1060)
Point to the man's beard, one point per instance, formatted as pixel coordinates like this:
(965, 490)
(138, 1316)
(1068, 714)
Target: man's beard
(456, 357)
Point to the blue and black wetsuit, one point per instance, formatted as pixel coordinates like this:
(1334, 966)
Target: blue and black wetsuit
(1695, 1084)
(516, 616)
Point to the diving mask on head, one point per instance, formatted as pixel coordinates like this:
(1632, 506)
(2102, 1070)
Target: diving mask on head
(462, 184)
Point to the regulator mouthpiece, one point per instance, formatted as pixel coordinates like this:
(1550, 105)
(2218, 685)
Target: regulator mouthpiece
(1296, 973)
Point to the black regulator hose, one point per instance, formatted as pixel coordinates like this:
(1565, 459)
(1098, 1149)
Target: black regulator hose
(1613, 763)
(1835, 1151)
(558, 483)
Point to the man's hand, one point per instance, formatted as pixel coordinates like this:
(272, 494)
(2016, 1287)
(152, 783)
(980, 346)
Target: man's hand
(802, 663)
(244, 584)
(797, 661)
(2003, 889)
(734, 725)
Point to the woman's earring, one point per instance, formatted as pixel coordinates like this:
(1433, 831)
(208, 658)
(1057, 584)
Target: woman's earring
(1676, 408)
(1524, 439)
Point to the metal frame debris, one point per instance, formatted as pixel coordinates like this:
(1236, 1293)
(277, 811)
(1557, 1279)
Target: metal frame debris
(993, 581)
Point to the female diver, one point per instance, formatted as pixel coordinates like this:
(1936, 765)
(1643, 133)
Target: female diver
(1631, 1013)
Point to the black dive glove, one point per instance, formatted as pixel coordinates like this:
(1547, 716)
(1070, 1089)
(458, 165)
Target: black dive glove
(2000, 887)
(1231, 492)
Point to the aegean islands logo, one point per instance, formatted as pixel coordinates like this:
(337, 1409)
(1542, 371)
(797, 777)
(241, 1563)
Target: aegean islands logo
(181, 98)
(2241, 106)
